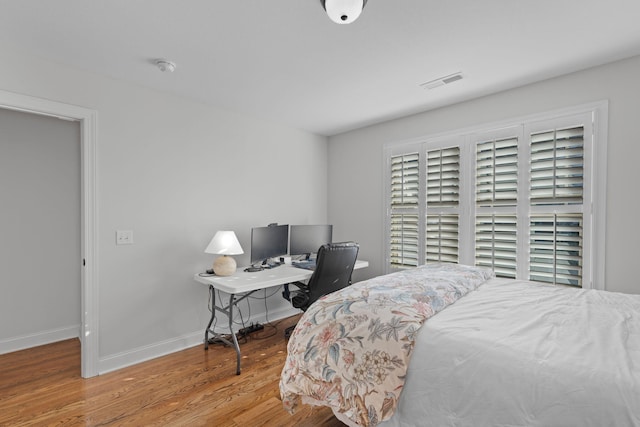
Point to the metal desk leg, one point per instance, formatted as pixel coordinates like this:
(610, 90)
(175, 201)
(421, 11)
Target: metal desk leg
(228, 310)
(233, 334)
(212, 292)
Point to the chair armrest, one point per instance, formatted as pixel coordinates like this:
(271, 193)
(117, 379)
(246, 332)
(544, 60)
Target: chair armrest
(301, 285)
(288, 295)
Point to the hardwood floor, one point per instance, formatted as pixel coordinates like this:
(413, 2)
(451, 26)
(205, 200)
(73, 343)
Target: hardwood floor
(42, 387)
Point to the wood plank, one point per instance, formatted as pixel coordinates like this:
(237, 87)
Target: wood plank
(194, 387)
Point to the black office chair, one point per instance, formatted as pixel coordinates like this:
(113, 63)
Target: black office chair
(334, 265)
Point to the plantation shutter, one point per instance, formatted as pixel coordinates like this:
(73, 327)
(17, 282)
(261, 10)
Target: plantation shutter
(524, 198)
(557, 180)
(497, 172)
(443, 200)
(404, 223)
(497, 190)
(556, 249)
(405, 180)
(496, 243)
(557, 166)
(443, 177)
(442, 238)
(404, 240)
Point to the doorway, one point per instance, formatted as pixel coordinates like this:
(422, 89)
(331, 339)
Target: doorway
(39, 229)
(87, 262)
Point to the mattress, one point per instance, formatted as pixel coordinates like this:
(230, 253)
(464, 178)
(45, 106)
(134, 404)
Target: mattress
(516, 353)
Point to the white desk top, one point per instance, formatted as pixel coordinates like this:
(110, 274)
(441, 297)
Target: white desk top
(242, 281)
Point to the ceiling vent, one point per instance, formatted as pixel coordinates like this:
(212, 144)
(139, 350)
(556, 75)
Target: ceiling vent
(442, 81)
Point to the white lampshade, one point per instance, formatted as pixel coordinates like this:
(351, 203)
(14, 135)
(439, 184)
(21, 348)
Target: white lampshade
(224, 243)
(344, 11)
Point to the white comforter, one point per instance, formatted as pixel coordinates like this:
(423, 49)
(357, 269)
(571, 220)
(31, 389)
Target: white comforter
(516, 353)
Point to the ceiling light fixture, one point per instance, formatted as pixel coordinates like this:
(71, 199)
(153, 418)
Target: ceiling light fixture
(165, 65)
(343, 11)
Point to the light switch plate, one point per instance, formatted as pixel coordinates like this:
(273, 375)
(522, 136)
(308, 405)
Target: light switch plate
(124, 237)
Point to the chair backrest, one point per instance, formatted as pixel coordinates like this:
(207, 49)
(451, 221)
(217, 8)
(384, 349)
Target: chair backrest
(334, 265)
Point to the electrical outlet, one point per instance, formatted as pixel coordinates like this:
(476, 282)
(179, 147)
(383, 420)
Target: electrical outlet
(124, 237)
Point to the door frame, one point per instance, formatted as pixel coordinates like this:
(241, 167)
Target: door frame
(88, 218)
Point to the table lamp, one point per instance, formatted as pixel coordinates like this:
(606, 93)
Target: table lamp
(224, 243)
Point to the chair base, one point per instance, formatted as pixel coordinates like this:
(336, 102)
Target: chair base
(288, 331)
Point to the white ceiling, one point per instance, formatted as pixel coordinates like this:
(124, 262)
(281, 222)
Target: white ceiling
(285, 61)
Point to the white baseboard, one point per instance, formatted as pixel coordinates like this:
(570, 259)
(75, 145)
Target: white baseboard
(148, 352)
(152, 351)
(39, 338)
(278, 314)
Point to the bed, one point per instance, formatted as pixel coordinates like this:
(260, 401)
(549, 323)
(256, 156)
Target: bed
(451, 345)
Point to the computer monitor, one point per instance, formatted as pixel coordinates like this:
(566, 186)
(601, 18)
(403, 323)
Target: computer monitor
(307, 239)
(268, 242)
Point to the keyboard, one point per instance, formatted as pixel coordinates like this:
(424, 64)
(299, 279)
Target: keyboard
(307, 265)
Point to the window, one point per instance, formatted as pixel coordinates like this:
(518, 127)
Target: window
(557, 181)
(404, 221)
(496, 201)
(516, 198)
(442, 188)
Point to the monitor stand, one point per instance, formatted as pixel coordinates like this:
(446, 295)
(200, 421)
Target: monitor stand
(266, 264)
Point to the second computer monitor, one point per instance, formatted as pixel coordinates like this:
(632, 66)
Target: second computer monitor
(307, 239)
(268, 242)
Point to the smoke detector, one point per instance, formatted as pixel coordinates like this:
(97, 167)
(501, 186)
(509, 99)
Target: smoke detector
(165, 65)
(441, 81)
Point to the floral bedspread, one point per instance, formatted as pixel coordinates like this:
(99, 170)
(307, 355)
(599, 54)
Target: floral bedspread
(351, 348)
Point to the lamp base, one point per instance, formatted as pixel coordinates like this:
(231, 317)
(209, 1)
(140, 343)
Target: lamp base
(224, 266)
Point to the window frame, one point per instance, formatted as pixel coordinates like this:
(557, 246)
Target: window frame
(594, 181)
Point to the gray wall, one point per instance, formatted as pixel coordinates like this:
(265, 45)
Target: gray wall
(355, 159)
(174, 171)
(39, 228)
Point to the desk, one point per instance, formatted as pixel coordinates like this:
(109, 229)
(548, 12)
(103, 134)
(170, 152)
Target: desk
(246, 283)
